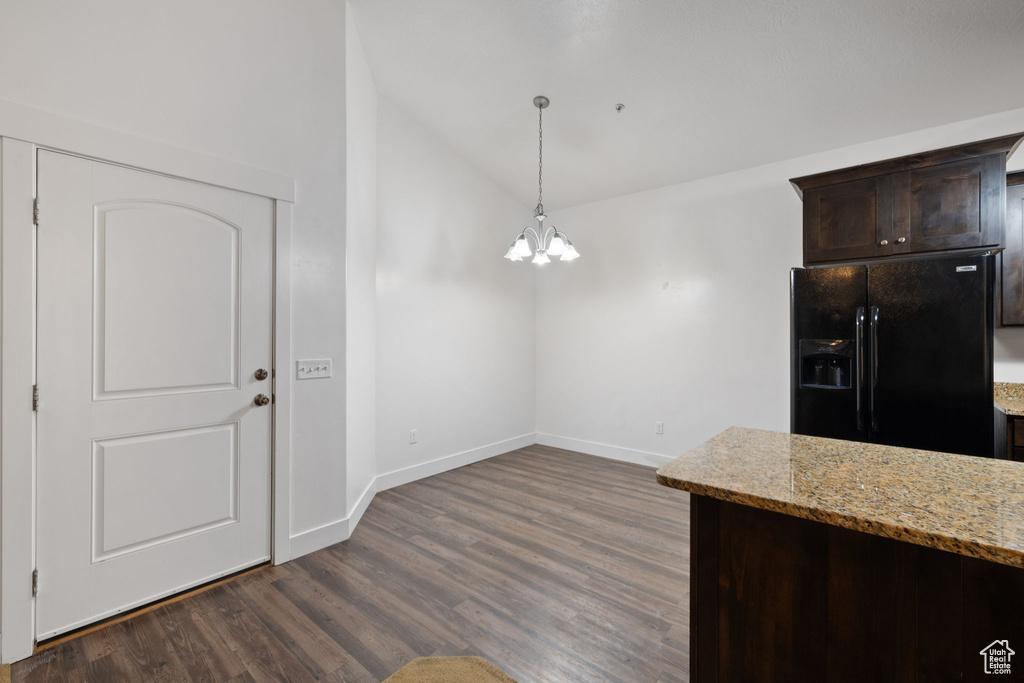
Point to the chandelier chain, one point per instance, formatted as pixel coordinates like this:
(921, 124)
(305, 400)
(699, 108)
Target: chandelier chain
(540, 159)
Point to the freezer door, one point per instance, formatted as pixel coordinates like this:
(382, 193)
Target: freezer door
(931, 344)
(827, 352)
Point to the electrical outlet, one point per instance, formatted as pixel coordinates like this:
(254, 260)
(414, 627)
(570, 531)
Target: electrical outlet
(659, 427)
(412, 436)
(317, 368)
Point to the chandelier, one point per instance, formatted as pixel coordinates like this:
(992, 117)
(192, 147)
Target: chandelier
(548, 241)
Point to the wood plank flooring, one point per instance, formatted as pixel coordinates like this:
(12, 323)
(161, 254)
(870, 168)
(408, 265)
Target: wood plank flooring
(555, 566)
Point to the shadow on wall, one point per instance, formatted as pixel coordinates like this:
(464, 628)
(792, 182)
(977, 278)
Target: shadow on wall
(1009, 354)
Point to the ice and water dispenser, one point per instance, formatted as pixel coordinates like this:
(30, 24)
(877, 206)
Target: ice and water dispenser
(826, 363)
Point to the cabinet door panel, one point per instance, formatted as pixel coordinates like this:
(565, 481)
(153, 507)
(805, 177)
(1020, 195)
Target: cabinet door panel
(1018, 432)
(958, 205)
(772, 596)
(1013, 256)
(871, 624)
(848, 220)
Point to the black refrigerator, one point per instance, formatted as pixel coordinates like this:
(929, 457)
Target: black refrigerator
(898, 353)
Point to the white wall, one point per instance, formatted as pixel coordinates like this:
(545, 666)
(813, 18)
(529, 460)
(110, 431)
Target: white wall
(1009, 355)
(678, 308)
(360, 269)
(455, 321)
(258, 82)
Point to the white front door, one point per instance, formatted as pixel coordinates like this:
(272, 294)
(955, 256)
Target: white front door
(154, 318)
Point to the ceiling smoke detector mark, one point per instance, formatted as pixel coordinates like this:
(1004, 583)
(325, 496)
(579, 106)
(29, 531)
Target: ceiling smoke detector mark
(619, 107)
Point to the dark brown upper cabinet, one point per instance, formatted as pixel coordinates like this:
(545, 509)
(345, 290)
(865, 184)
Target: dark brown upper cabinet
(944, 200)
(1013, 256)
(959, 205)
(848, 221)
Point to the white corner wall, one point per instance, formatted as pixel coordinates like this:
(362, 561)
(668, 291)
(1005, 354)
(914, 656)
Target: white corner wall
(678, 309)
(455, 321)
(263, 85)
(360, 274)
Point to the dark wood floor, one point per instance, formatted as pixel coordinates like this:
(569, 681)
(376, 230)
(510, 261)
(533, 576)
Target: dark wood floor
(555, 566)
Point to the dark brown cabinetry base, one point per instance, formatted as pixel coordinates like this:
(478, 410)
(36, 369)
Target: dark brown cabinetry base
(1015, 440)
(778, 598)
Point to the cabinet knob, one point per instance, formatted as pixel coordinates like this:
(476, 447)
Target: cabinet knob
(883, 243)
(901, 240)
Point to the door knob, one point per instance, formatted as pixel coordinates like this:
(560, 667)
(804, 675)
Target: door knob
(261, 374)
(883, 243)
(261, 400)
(901, 240)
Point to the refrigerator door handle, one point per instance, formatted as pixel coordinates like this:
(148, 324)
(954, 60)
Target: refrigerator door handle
(872, 407)
(858, 380)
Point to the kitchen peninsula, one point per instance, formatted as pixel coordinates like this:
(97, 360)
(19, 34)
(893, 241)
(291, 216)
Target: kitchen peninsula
(816, 559)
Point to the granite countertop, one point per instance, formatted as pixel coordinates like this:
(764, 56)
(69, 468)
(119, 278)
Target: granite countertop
(962, 504)
(1011, 398)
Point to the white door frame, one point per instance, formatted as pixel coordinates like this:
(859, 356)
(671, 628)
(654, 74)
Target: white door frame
(24, 131)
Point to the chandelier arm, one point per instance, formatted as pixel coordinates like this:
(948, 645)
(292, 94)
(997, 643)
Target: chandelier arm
(533, 233)
(550, 232)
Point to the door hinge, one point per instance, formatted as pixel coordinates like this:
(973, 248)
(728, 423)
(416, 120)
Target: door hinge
(35, 211)
(35, 398)
(35, 582)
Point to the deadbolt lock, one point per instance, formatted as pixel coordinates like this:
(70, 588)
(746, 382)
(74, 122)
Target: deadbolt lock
(261, 400)
(261, 374)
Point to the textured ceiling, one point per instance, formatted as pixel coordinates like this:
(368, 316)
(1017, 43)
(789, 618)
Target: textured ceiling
(710, 86)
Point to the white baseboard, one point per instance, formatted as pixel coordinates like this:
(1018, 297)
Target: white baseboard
(405, 475)
(307, 541)
(333, 532)
(604, 450)
(360, 507)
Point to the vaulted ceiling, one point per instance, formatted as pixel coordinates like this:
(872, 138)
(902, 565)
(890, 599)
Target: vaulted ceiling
(709, 86)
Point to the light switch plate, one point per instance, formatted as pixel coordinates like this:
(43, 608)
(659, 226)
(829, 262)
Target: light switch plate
(317, 368)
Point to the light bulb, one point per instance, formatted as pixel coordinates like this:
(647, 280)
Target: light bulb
(541, 257)
(570, 253)
(522, 247)
(557, 246)
(511, 253)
